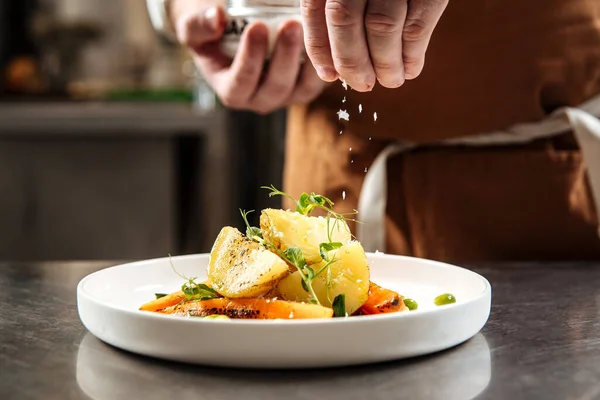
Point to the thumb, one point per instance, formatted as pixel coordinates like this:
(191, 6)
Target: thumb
(195, 29)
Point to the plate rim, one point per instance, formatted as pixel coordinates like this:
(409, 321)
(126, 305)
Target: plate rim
(136, 313)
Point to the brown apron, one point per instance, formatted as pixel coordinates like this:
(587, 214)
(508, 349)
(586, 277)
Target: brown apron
(491, 64)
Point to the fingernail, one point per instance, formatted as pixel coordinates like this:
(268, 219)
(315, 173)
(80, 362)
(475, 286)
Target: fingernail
(212, 18)
(292, 33)
(326, 73)
(392, 83)
(370, 83)
(412, 75)
(259, 34)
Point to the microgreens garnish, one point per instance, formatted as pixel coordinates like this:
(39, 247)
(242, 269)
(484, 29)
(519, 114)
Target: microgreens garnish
(339, 305)
(198, 291)
(252, 232)
(326, 247)
(308, 202)
(193, 290)
(295, 257)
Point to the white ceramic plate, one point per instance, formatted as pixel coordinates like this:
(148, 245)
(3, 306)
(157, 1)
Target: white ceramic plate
(108, 303)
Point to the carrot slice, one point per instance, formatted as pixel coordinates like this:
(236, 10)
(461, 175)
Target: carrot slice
(382, 301)
(250, 309)
(164, 302)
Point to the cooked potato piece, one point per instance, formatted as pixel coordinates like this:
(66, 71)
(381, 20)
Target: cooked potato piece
(250, 309)
(348, 274)
(285, 229)
(239, 267)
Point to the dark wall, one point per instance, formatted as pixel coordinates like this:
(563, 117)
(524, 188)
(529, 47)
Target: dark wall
(15, 16)
(3, 37)
(15, 35)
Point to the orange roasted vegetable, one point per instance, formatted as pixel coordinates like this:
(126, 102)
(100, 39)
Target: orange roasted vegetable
(381, 301)
(250, 309)
(164, 302)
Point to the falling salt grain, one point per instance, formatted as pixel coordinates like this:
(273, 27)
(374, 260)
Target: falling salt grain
(341, 132)
(345, 85)
(343, 114)
(369, 138)
(344, 99)
(350, 149)
(366, 169)
(374, 116)
(343, 195)
(360, 108)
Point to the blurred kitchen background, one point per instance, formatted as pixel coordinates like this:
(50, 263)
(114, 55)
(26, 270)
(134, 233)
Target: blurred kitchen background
(111, 144)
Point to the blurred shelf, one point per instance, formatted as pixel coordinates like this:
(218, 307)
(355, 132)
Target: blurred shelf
(60, 126)
(106, 118)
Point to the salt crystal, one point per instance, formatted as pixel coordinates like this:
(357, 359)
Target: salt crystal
(350, 149)
(369, 138)
(343, 114)
(375, 116)
(345, 85)
(351, 161)
(344, 99)
(366, 170)
(341, 132)
(360, 108)
(343, 195)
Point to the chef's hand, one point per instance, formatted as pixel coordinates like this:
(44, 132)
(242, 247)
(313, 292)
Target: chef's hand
(361, 41)
(241, 83)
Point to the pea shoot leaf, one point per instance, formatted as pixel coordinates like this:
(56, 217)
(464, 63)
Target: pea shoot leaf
(324, 248)
(339, 305)
(295, 256)
(198, 291)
